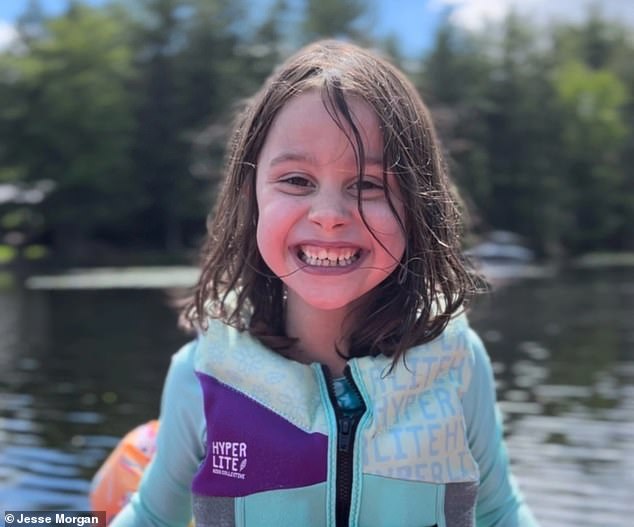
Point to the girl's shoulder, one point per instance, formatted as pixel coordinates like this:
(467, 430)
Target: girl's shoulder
(453, 357)
(219, 340)
(456, 342)
(228, 353)
(216, 338)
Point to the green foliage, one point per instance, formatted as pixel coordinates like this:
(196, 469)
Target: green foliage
(593, 137)
(593, 100)
(191, 68)
(15, 218)
(7, 254)
(335, 19)
(70, 119)
(538, 136)
(35, 252)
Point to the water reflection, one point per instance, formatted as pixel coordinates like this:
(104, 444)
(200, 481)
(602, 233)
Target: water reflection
(80, 368)
(563, 352)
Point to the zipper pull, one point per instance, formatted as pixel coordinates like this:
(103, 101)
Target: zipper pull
(345, 427)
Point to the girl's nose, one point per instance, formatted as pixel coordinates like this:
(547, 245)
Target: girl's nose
(329, 211)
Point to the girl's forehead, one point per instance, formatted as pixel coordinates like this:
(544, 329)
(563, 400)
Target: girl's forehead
(309, 121)
(321, 99)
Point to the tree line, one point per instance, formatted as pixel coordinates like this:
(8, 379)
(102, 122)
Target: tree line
(113, 119)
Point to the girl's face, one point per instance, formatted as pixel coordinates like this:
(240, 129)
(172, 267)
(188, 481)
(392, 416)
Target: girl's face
(310, 232)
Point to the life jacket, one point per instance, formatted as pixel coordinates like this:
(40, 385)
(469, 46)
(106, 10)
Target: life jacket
(280, 452)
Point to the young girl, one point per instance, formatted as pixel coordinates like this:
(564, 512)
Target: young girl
(335, 380)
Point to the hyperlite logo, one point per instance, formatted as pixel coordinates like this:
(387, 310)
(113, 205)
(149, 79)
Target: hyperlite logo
(229, 459)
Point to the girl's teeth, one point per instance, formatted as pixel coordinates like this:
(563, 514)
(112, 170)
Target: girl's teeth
(328, 258)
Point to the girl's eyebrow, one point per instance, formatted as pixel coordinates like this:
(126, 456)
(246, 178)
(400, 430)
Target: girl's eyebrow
(370, 160)
(293, 156)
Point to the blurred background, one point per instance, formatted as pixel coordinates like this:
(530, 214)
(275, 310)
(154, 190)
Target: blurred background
(113, 120)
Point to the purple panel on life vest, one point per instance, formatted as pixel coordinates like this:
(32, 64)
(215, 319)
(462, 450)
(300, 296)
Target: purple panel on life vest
(252, 449)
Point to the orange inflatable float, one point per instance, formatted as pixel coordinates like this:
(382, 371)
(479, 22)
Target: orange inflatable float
(119, 476)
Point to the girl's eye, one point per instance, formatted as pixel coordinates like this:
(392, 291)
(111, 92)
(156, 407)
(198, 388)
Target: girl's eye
(368, 186)
(295, 184)
(297, 181)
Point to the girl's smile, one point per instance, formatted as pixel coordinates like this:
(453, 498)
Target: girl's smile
(310, 231)
(328, 257)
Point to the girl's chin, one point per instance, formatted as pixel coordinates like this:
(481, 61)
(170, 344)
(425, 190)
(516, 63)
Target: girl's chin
(321, 301)
(326, 305)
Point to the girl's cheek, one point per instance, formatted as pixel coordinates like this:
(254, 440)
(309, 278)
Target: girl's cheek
(382, 220)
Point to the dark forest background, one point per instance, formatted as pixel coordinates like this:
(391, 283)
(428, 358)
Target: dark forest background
(113, 121)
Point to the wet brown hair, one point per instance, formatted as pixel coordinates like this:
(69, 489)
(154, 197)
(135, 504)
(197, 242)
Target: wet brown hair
(431, 283)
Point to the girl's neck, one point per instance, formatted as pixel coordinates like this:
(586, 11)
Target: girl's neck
(320, 333)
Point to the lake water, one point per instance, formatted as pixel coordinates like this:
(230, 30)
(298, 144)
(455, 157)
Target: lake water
(79, 368)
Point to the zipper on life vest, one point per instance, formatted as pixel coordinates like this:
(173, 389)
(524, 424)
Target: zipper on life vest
(347, 423)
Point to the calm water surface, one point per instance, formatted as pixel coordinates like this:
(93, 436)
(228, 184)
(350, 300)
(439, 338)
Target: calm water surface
(78, 369)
